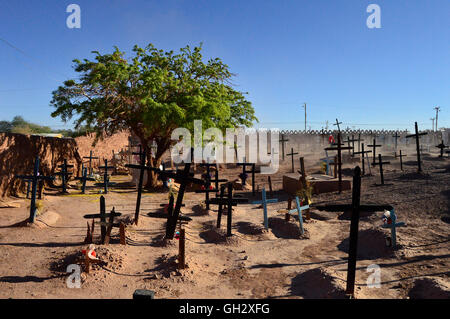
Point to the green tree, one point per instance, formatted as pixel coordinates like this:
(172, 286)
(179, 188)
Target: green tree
(151, 94)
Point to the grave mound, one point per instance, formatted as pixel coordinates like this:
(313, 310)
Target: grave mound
(429, 288)
(317, 284)
(371, 245)
(212, 235)
(286, 229)
(44, 220)
(200, 210)
(251, 229)
(112, 260)
(161, 241)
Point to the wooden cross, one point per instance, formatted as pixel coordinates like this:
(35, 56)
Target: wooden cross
(363, 153)
(264, 201)
(441, 147)
(396, 136)
(229, 201)
(380, 164)
(64, 175)
(417, 135)
(337, 123)
(90, 157)
(34, 181)
(106, 182)
(392, 224)
(106, 227)
(328, 162)
(339, 149)
(282, 141)
(207, 187)
(245, 171)
(298, 210)
(216, 179)
(291, 154)
(359, 141)
(351, 150)
(142, 168)
(374, 149)
(401, 159)
(84, 177)
(183, 178)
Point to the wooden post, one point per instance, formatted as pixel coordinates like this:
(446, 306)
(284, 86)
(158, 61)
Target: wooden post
(181, 249)
(102, 218)
(354, 225)
(270, 186)
(123, 240)
(230, 209)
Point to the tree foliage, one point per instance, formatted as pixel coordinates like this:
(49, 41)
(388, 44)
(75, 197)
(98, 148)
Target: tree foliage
(151, 94)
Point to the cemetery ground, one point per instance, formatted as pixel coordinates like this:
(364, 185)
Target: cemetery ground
(254, 262)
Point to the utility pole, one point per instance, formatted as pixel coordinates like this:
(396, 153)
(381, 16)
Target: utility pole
(438, 109)
(304, 105)
(432, 126)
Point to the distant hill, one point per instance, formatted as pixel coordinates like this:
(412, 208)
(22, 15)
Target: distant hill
(19, 125)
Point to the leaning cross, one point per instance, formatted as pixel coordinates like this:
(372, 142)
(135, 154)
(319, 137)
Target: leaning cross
(34, 180)
(83, 180)
(299, 210)
(441, 147)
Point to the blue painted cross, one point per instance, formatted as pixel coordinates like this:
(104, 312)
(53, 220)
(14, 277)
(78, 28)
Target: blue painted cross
(328, 161)
(264, 201)
(393, 226)
(84, 177)
(299, 210)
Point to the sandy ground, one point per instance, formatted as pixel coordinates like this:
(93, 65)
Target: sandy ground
(254, 262)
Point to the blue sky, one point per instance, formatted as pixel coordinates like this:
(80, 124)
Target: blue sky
(284, 53)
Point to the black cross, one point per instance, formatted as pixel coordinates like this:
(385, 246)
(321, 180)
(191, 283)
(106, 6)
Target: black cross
(359, 141)
(417, 135)
(243, 176)
(356, 208)
(401, 159)
(381, 163)
(83, 179)
(352, 140)
(441, 147)
(183, 178)
(337, 123)
(90, 157)
(142, 168)
(207, 187)
(105, 227)
(339, 149)
(216, 179)
(229, 201)
(363, 153)
(396, 136)
(374, 149)
(64, 175)
(106, 182)
(291, 154)
(282, 141)
(34, 180)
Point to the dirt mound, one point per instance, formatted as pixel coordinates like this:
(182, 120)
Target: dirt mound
(200, 210)
(213, 235)
(286, 229)
(429, 288)
(161, 241)
(317, 284)
(371, 245)
(112, 260)
(18, 153)
(251, 229)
